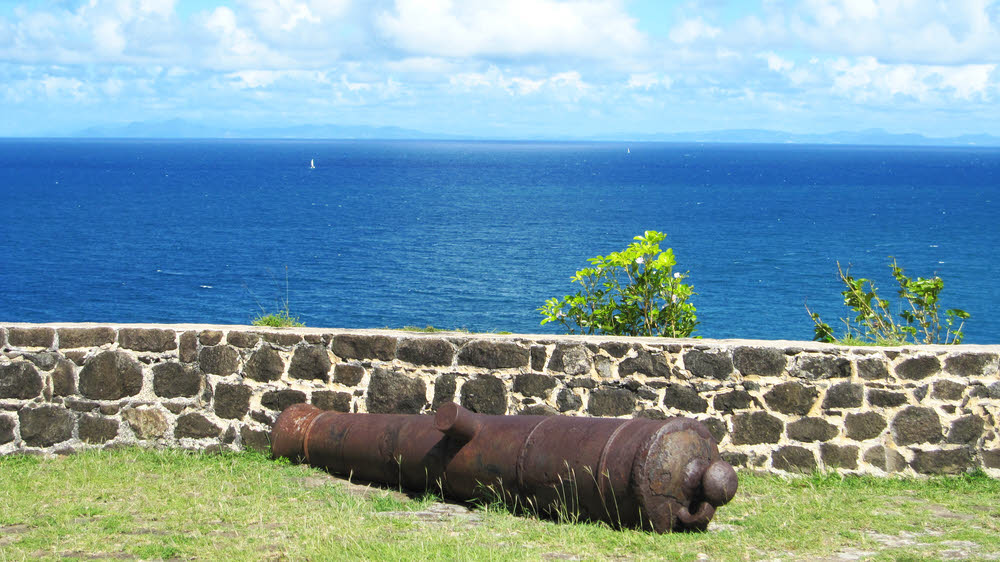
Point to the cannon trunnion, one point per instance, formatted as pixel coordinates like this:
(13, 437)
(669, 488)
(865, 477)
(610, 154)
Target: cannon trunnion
(661, 475)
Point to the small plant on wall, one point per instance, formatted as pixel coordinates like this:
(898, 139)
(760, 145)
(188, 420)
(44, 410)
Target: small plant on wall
(634, 292)
(873, 323)
(281, 317)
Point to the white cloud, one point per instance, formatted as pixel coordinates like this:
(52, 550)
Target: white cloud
(647, 81)
(563, 86)
(903, 31)
(866, 79)
(692, 30)
(62, 87)
(578, 28)
(777, 63)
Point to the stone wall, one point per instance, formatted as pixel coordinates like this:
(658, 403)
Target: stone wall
(775, 406)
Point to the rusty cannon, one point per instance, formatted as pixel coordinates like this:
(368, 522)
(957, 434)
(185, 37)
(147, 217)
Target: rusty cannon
(663, 475)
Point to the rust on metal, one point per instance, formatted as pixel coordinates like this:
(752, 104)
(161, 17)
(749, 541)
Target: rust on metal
(662, 475)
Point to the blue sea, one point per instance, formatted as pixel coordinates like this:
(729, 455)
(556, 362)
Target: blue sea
(477, 235)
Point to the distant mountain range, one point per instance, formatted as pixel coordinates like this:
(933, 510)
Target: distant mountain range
(179, 128)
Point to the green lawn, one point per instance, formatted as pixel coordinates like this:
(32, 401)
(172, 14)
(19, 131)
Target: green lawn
(139, 504)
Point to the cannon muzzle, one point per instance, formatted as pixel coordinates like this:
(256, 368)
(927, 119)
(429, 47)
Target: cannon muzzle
(661, 475)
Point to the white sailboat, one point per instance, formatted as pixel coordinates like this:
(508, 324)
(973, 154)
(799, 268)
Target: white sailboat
(312, 164)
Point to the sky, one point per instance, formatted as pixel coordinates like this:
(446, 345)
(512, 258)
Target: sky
(504, 68)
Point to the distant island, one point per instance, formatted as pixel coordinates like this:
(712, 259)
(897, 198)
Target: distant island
(179, 128)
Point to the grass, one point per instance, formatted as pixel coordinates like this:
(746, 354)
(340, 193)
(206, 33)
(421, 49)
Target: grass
(133, 503)
(281, 319)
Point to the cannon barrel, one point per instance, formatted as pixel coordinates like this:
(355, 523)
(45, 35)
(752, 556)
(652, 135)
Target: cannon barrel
(655, 474)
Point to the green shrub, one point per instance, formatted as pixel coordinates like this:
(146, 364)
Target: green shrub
(635, 292)
(874, 323)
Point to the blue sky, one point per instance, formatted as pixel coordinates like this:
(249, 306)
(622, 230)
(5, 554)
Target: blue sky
(504, 67)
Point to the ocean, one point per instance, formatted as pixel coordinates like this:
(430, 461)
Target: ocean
(476, 235)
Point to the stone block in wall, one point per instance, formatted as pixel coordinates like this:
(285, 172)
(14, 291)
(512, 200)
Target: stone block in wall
(44, 360)
(844, 395)
(45, 426)
(915, 424)
(147, 339)
(644, 363)
(232, 401)
(146, 423)
(885, 459)
(278, 400)
(611, 402)
(187, 349)
(485, 394)
(538, 355)
(567, 400)
(245, 340)
(444, 390)
(918, 368)
(811, 367)
(736, 459)
(222, 360)
(538, 410)
(196, 426)
(31, 337)
(256, 440)
(64, 378)
(684, 398)
(708, 365)
(391, 392)
(650, 414)
(839, 456)
(873, 368)
(285, 339)
(175, 380)
(972, 364)
(759, 361)
(885, 398)
(310, 362)
(754, 428)
(942, 461)
(533, 384)
(348, 374)
(991, 457)
(966, 430)
(808, 430)
(352, 346)
(793, 458)
(993, 390)
(110, 375)
(20, 380)
(432, 352)
(791, 398)
(332, 401)
(863, 426)
(97, 429)
(615, 349)
(210, 337)
(571, 359)
(6, 429)
(947, 390)
(264, 365)
(70, 338)
(716, 427)
(732, 401)
(493, 355)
